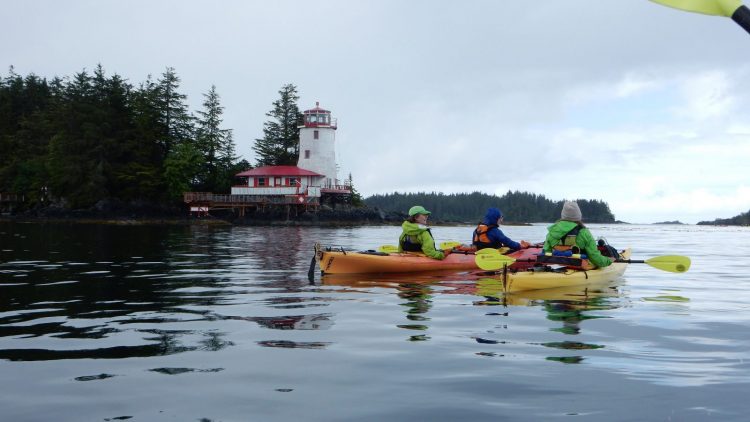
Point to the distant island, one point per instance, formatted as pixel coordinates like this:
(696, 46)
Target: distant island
(670, 222)
(738, 220)
(517, 207)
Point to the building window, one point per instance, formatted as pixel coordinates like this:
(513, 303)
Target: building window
(277, 181)
(307, 153)
(261, 181)
(293, 181)
(315, 134)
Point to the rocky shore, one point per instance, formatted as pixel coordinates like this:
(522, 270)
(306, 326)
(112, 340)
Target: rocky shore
(111, 212)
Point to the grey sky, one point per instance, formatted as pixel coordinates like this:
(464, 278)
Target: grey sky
(627, 101)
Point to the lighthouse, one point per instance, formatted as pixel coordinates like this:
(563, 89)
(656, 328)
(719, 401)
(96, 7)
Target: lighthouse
(317, 139)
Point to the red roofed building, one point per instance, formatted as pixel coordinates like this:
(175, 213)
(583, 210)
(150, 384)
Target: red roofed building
(308, 183)
(278, 180)
(315, 173)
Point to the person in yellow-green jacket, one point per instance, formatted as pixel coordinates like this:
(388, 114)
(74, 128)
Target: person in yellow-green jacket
(416, 235)
(569, 233)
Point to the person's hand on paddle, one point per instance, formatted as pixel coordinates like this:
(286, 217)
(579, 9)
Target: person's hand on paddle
(524, 244)
(447, 251)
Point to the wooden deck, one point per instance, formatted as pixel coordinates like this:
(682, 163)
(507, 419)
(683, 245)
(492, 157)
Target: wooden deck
(242, 203)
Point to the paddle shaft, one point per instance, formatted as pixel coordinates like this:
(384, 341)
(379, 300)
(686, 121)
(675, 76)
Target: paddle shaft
(742, 17)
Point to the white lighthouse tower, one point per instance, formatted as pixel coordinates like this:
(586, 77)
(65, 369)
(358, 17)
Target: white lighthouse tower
(317, 141)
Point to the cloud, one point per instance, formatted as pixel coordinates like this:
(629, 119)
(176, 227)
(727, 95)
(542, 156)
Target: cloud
(627, 102)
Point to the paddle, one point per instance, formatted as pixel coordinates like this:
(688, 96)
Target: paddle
(671, 263)
(491, 260)
(449, 245)
(394, 248)
(388, 248)
(729, 8)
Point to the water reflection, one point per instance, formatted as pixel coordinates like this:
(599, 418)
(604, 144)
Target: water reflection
(231, 310)
(120, 285)
(570, 306)
(418, 303)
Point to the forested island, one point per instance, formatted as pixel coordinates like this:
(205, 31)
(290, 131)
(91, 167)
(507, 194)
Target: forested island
(518, 207)
(94, 140)
(742, 219)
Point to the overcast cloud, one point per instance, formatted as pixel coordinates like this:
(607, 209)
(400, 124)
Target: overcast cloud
(626, 101)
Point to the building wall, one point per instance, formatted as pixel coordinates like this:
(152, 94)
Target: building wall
(322, 152)
(309, 186)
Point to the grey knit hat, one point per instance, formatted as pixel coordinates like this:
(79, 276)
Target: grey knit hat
(571, 212)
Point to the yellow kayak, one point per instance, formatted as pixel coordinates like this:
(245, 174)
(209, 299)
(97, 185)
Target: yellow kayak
(511, 282)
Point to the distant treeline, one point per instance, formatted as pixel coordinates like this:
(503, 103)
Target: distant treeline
(739, 220)
(521, 207)
(74, 141)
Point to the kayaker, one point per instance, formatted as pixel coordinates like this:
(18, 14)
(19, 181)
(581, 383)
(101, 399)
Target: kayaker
(488, 234)
(416, 235)
(569, 232)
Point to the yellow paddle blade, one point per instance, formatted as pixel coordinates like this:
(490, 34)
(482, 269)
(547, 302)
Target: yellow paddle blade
(449, 245)
(671, 263)
(388, 248)
(491, 259)
(707, 7)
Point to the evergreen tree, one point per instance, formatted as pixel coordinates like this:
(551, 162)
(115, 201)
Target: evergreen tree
(215, 144)
(176, 123)
(356, 197)
(517, 206)
(24, 135)
(182, 169)
(280, 142)
(228, 165)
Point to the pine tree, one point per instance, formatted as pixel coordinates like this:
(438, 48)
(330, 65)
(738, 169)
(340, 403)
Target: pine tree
(280, 143)
(182, 168)
(215, 144)
(176, 122)
(356, 197)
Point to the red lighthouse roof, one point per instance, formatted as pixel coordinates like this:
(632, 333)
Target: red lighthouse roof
(317, 109)
(277, 171)
(317, 117)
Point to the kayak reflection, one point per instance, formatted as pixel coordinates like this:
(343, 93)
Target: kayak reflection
(569, 305)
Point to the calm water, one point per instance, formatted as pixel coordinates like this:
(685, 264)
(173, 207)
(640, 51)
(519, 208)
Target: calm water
(107, 323)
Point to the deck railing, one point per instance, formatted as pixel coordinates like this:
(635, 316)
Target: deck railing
(227, 200)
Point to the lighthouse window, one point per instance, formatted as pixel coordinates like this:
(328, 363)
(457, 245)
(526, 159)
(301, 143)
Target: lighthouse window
(315, 134)
(313, 118)
(307, 153)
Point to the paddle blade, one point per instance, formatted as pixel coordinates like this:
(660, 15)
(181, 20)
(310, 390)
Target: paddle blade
(388, 248)
(491, 259)
(707, 7)
(671, 263)
(449, 245)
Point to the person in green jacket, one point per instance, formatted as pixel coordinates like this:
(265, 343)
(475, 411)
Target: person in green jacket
(416, 235)
(570, 231)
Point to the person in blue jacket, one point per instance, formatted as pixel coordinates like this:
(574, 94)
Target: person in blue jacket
(489, 235)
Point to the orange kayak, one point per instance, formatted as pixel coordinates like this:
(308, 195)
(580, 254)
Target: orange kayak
(371, 262)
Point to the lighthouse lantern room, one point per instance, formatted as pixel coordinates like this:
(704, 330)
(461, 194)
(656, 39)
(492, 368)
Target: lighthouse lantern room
(317, 149)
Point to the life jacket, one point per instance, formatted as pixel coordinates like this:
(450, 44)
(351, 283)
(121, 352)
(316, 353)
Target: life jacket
(410, 243)
(568, 241)
(567, 253)
(481, 240)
